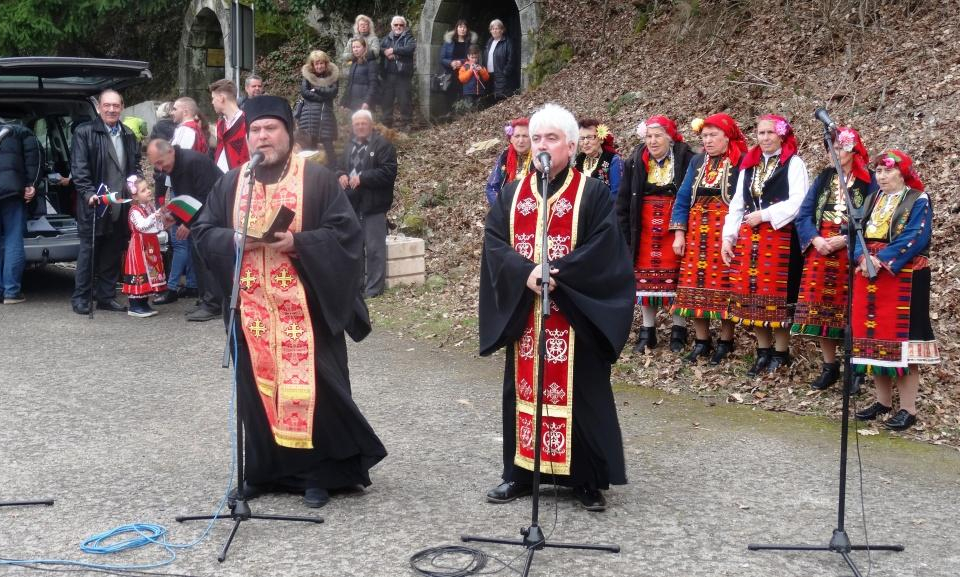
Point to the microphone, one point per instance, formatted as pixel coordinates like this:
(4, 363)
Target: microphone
(823, 116)
(255, 160)
(544, 159)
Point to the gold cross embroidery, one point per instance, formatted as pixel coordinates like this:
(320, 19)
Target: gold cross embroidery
(283, 279)
(257, 328)
(247, 280)
(294, 331)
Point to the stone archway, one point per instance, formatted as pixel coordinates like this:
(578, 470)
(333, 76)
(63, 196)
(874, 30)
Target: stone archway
(521, 17)
(205, 50)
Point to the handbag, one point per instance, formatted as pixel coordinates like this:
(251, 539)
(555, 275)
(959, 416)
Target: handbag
(441, 82)
(298, 108)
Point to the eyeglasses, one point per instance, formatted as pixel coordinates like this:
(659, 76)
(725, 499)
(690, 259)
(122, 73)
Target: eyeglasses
(589, 137)
(399, 25)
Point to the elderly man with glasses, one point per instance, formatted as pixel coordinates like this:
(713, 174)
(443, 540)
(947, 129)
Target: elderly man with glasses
(397, 49)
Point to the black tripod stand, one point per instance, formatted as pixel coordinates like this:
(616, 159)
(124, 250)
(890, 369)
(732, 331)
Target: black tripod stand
(240, 510)
(23, 503)
(533, 538)
(840, 542)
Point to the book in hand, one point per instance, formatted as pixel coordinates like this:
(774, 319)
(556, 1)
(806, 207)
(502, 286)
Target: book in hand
(277, 220)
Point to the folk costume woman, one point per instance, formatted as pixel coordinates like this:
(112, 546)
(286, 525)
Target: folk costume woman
(821, 229)
(887, 343)
(759, 242)
(651, 178)
(598, 155)
(703, 289)
(515, 162)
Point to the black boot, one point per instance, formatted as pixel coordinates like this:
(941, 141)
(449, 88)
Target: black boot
(724, 348)
(829, 375)
(762, 362)
(779, 359)
(678, 338)
(646, 339)
(701, 348)
(873, 411)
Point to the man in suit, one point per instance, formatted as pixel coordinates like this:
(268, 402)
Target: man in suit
(104, 152)
(367, 174)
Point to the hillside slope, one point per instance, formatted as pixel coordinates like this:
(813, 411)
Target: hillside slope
(896, 78)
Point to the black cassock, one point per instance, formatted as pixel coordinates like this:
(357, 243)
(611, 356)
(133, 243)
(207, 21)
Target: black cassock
(330, 263)
(596, 291)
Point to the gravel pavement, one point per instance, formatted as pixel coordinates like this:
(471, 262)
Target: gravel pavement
(125, 420)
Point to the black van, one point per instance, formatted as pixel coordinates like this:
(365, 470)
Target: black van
(52, 95)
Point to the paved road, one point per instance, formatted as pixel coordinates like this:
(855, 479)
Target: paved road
(125, 420)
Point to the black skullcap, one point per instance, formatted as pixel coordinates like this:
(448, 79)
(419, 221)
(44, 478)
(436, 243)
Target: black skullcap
(268, 106)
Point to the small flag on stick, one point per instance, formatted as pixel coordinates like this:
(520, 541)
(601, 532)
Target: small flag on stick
(184, 207)
(106, 196)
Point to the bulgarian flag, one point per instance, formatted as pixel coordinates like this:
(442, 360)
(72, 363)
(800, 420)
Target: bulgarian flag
(105, 196)
(184, 207)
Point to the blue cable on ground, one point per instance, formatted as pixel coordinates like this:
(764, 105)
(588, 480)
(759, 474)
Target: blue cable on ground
(137, 535)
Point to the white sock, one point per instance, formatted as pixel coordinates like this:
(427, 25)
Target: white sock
(649, 316)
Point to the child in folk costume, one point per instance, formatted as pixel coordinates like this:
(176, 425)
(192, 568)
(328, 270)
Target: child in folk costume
(821, 229)
(886, 342)
(703, 289)
(143, 266)
(759, 242)
(651, 177)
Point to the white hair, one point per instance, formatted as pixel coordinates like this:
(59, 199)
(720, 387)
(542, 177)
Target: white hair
(497, 22)
(400, 18)
(362, 114)
(556, 116)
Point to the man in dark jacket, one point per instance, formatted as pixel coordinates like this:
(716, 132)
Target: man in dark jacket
(397, 48)
(367, 174)
(194, 174)
(19, 169)
(104, 152)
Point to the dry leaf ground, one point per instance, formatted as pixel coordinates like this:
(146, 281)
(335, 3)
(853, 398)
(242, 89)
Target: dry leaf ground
(897, 79)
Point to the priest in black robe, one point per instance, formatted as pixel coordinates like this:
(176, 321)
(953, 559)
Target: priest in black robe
(592, 287)
(326, 254)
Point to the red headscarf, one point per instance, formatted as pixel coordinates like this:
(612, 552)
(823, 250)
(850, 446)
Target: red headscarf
(893, 157)
(729, 126)
(860, 156)
(511, 167)
(788, 145)
(658, 121)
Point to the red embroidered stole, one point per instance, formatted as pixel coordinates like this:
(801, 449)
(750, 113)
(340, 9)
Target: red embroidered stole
(526, 234)
(275, 318)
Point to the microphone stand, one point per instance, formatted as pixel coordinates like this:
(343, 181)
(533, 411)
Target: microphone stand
(533, 538)
(840, 541)
(22, 503)
(240, 510)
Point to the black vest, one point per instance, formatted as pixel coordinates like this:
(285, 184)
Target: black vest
(901, 215)
(775, 189)
(700, 189)
(859, 193)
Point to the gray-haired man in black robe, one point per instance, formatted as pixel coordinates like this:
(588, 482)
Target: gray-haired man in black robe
(592, 292)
